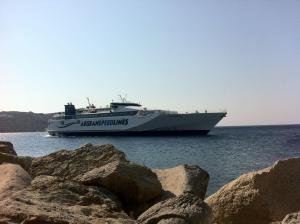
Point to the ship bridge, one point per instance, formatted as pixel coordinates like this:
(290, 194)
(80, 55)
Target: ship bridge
(124, 106)
(116, 104)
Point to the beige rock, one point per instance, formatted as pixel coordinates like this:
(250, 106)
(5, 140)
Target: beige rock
(101, 165)
(132, 182)
(175, 182)
(70, 163)
(7, 147)
(54, 200)
(259, 197)
(23, 161)
(182, 179)
(293, 218)
(5, 221)
(114, 221)
(185, 209)
(12, 178)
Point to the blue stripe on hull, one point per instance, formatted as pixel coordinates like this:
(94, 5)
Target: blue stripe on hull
(132, 133)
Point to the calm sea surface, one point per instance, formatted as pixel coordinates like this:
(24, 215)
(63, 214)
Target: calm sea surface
(225, 153)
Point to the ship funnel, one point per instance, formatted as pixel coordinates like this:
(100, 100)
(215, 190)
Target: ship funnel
(70, 109)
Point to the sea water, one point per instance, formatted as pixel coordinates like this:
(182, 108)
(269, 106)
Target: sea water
(225, 153)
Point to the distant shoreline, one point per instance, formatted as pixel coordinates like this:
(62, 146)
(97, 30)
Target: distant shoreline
(14, 121)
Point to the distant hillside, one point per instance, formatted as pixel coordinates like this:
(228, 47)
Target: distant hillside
(13, 121)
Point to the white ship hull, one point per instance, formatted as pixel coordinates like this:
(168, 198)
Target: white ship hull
(148, 124)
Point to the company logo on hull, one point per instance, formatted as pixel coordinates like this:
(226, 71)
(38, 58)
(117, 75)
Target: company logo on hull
(63, 125)
(104, 122)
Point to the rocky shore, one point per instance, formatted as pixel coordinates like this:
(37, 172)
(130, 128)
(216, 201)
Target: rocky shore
(97, 184)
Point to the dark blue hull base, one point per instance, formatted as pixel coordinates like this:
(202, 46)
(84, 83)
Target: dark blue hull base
(132, 133)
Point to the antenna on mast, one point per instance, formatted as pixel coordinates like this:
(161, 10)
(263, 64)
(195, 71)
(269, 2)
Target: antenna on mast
(123, 99)
(90, 106)
(89, 102)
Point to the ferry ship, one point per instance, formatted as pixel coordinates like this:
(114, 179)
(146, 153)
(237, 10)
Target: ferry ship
(127, 118)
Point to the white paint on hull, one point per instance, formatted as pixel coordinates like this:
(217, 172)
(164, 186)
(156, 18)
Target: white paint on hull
(135, 123)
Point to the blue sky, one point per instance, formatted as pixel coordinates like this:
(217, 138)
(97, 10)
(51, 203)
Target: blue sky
(239, 56)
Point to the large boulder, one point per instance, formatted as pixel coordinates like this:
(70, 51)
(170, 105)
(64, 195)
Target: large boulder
(68, 164)
(176, 181)
(293, 218)
(23, 161)
(51, 199)
(259, 197)
(101, 165)
(183, 179)
(12, 178)
(185, 209)
(130, 181)
(7, 147)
